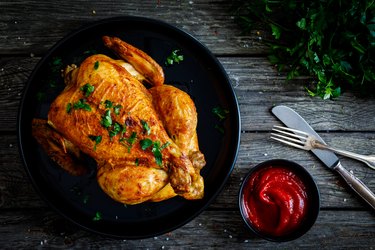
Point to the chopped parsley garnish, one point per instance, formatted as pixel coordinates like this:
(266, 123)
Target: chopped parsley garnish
(137, 162)
(117, 128)
(157, 153)
(97, 217)
(174, 57)
(81, 104)
(96, 65)
(146, 127)
(129, 141)
(108, 104)
(69, 108)
(165, 145)
(146, 143)
(96, 138)
(156, 149)
(220, 112)
(87, 89)
(133, 137)
(116, 109)
(56, 64)
(106, 119)
(219, 128)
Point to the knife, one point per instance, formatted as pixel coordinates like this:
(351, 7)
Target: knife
(293, 120)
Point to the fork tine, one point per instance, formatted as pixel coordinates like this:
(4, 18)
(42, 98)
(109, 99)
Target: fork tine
(291, 137)
(288, 143)
(290, 129)
(286, 138)
(302, 137)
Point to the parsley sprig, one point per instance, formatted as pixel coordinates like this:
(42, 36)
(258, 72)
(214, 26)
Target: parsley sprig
(331, 40)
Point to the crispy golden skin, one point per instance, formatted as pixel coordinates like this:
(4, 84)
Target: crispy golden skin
(162, 115)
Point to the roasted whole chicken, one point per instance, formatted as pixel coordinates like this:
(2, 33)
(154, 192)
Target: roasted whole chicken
(144, 140)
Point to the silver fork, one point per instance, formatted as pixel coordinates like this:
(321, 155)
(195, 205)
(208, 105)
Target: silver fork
(302, 140)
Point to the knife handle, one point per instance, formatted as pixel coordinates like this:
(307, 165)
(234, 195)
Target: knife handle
(357, 185)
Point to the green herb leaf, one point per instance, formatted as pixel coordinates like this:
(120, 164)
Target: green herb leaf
(165, 145)
(69, 108)
(81, 104)
(108, 104)
(106, 119)
(87, 89)
(157, 153)
(146, 143)
(96, 138)
(129, 141)
(219, 128)
(220, 112)
(117, 128)
(146, 128)
(174, 57)
(276, 31)
(97, 217)
(96, 65)
(116, 109)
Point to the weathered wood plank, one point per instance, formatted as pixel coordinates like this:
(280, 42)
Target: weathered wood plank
(257, 85)
(211, 229)
(16, 190)
(23, 24)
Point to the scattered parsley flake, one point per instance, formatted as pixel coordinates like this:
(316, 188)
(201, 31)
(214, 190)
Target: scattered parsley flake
(95, 138)
(116, 109)
(106, 121)
(219, 128)
(87, 89)
(117, 128)
(69, 108)
(81, 104)
(165, 145)
(97, 217)
(146, 143)
(220, 112)
(174, 57)
(146, 127)
(108, 104)
(157, 153)
(96, 65)
(129, 141)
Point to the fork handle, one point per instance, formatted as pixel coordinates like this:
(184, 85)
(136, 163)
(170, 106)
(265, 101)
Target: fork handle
(368, 159)
(357, 185)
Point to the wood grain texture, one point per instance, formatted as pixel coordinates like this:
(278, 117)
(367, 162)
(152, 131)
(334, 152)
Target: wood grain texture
(211, 22)
(212, 229)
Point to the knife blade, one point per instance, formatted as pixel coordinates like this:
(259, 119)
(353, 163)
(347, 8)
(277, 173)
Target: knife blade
(293, 120)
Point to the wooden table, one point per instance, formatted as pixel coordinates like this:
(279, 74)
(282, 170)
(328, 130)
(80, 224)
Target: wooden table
(29, 28)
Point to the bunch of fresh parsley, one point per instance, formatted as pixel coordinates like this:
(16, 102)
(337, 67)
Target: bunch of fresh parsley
(331, 40)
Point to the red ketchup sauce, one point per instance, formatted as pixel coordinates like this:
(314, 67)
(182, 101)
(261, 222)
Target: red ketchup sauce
(275, 200)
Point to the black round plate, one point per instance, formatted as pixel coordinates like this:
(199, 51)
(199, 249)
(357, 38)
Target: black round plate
(80, 199)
